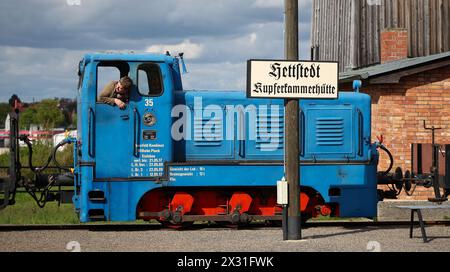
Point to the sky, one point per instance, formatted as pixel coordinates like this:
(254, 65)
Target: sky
(42, 41)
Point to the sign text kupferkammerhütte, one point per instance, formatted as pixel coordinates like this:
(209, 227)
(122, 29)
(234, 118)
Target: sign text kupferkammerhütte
(292, 79)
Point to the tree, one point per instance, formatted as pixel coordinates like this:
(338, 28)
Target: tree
(48, 114)
(28, 117)
(74, 120)
(68, 107)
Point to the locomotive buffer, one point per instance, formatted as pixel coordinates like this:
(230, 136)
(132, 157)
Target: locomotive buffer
(291, 80)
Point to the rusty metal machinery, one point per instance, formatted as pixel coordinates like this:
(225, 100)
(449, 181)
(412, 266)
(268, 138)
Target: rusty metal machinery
(430, 167)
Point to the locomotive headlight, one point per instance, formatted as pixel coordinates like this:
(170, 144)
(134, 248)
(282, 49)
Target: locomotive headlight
(149, 119)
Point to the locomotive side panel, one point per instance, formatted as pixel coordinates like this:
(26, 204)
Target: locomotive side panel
(331, 130)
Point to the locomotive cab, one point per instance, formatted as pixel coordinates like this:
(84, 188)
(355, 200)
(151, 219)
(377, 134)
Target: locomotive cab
(119, 146)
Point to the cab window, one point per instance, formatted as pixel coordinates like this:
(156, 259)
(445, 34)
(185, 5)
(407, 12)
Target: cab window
(149, 80)
(108, 71)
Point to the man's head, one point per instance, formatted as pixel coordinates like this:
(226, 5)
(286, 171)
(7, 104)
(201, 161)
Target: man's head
(124, 85)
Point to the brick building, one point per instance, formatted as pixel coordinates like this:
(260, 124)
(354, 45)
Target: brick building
(405, 92)
(350, 31)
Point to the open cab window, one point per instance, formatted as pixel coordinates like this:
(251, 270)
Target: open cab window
(149, 80)
(108, 71)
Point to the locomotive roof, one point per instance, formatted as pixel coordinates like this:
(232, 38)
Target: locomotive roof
(129, 56)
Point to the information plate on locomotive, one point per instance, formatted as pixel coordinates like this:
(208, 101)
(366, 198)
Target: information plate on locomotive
(292, 79)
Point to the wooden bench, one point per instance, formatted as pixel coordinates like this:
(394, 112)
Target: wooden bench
(418, 210)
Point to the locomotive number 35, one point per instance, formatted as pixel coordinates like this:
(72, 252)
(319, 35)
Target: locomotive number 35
(149, 102)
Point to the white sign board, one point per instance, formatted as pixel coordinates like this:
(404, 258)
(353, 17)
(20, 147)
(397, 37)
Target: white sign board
(292, 79)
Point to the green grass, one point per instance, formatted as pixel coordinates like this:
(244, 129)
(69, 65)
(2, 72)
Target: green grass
(26, 212)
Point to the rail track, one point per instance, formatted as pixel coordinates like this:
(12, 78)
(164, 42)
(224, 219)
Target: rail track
(208, 226)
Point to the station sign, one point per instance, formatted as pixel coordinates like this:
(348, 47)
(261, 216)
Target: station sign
(292, 79)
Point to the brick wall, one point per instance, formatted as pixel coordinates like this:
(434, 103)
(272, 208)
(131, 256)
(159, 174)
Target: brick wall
(398, 111)
(393, 44)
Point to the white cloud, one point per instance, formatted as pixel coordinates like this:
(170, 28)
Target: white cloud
(253, 37)
(38, 72)
(215, 76)
(269, 3)
(191, 50)
(42, 41)
(279, 4)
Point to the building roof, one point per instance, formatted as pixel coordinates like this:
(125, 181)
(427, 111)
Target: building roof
(391, 72)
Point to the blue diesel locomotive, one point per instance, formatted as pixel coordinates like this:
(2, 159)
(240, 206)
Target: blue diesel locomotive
(182, 156)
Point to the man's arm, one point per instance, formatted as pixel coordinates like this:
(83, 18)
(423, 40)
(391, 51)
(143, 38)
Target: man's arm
(105, 95)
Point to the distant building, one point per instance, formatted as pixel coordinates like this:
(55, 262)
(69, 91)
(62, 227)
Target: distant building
(34, 133)
(7, 123)
(4, 134)
(57, 138)
(400, 49)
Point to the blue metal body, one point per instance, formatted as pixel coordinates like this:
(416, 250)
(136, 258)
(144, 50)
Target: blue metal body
(242, 149)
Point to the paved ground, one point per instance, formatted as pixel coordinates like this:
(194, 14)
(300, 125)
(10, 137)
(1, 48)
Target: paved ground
(357, 239)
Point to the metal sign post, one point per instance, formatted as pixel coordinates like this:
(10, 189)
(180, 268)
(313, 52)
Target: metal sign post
(291, 151)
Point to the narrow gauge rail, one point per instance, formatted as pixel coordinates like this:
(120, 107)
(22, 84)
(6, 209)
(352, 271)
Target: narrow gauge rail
(203, 226)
